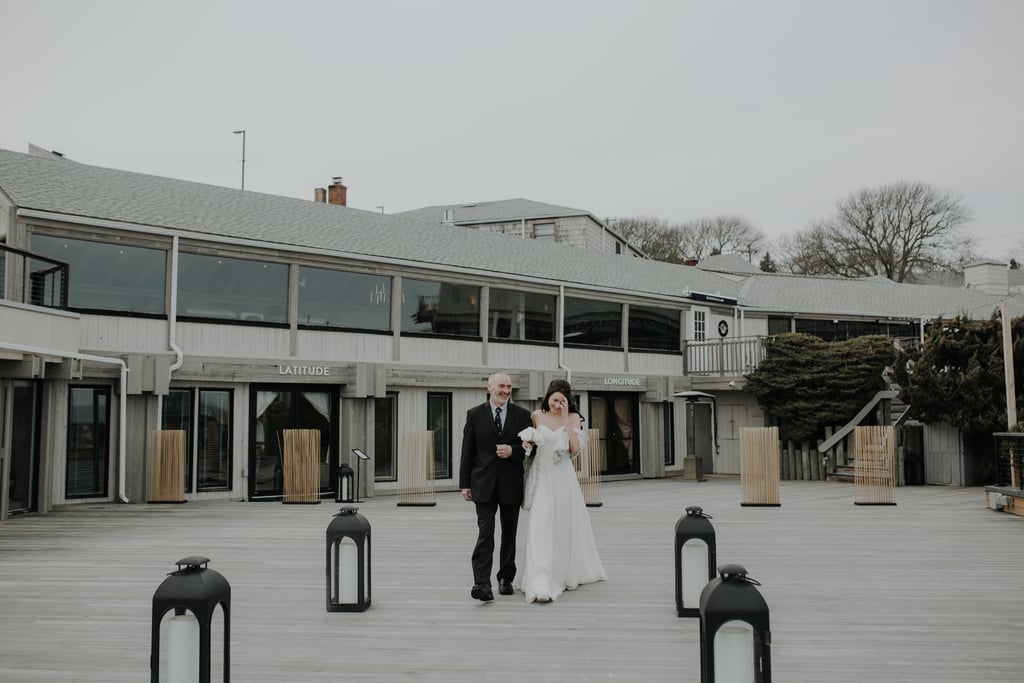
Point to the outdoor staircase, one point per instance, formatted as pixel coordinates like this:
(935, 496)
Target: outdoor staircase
(899, 413)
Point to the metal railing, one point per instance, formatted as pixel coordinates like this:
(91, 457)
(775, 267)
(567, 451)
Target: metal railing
(724, 357)
(28, 278)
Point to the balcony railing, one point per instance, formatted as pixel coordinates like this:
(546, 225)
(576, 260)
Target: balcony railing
(28, 278)
(724, 357)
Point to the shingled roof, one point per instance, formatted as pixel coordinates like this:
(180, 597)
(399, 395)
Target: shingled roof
(72, 189)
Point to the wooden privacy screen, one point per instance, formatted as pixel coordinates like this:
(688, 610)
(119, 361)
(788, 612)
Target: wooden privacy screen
(301, 465)
(589, 465)
(873, 471)
(167, 477)
(416, 469)
(759, 466)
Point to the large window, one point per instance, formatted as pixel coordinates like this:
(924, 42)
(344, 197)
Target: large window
(521, 315)
(385, 438)
(652, 328)
(439, 421)
(232, 289)
(593, 323)
(438, 308)
(335, 298)
(109, 277)
(88, 442)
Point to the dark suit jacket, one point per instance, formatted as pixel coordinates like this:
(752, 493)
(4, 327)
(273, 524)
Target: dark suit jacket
(481, 469)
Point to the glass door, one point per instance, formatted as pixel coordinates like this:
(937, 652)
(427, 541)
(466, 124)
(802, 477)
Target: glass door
(277, 408)
(615, 416)
(23, 483)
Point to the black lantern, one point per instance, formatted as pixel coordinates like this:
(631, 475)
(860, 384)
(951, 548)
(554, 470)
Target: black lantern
(348, 562)
(346, 484)
(735, 643)
(695, 559)
(193, 592)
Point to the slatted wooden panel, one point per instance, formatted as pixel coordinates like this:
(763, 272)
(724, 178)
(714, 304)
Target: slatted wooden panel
(416, 484)
(873, 471)
(167, 477)
(589, 464)
(301, 465)
(759, 466)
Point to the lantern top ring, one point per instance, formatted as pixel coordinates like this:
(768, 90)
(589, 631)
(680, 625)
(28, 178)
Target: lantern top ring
(192, 562)
(735, 572)
(696, 511)
(347, 510)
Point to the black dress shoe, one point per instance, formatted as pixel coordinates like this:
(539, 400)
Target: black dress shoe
(505, 587)
(482, 591)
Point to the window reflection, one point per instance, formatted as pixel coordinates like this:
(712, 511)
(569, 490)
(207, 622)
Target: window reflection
(335, 298)
(593, 323)
(440, 308)
(652, 328)
(108, 277)
(523, 316)
(232, 289)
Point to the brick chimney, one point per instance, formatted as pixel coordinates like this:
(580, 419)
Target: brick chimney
(337, 193)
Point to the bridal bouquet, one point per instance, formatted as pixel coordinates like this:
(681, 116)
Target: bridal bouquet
(532, 437)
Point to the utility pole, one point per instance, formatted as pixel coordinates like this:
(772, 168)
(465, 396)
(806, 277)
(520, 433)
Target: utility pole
(242, 132)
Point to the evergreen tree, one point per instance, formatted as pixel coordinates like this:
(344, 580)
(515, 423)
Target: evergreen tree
(958, 376)
(805, 384)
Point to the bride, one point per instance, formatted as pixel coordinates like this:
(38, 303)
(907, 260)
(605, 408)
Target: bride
(560, 550)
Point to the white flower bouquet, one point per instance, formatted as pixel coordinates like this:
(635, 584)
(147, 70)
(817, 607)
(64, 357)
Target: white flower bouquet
(533, 438)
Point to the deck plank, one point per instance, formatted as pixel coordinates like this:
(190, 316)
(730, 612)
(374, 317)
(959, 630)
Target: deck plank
(926, 590)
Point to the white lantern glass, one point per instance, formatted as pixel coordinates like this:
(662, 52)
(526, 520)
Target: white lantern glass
(695, 571)
(734, 652)
(183, 649)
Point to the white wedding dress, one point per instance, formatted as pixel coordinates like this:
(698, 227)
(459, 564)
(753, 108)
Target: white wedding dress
(560, 550)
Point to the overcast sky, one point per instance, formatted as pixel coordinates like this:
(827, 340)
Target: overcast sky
(676, 109)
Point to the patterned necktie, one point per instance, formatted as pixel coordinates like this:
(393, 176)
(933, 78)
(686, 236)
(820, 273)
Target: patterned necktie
(497, 419)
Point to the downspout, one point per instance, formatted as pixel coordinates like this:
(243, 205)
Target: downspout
(172, 316)
(561, 334)
(122, 402)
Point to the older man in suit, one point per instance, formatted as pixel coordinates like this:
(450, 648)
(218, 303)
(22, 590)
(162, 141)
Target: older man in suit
(491, 475)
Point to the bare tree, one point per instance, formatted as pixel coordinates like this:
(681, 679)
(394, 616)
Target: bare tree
(721, 235)
(895, 230)
(654, 236)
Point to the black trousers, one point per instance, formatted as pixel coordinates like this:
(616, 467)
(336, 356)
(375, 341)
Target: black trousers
(483, 553)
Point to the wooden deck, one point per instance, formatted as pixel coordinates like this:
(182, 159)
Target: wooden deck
(931, 589)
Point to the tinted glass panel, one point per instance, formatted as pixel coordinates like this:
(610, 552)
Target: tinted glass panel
(385, 438)
(213, 464)
(521, 315)
(653, 328)
(334, 298)
(232, 289)
(436, 308)
(439, 421)
(88, 452)
(177, 414)
(109, 277)
(595, 323)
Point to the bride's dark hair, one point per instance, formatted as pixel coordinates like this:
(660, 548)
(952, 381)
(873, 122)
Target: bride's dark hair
(562, 387)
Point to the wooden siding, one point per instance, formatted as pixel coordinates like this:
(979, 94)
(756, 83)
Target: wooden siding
(655, 363)
(346, 347)
(924, 591)
(521, 356)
